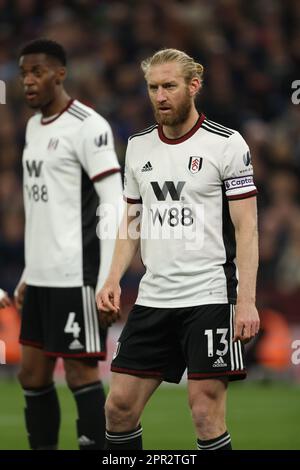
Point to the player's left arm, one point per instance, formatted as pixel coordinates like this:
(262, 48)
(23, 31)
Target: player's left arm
(96, 152)
(110, 192)
(243, 214)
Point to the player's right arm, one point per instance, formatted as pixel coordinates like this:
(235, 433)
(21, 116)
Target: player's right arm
(20, 292)
(20, 289)
(126, 246)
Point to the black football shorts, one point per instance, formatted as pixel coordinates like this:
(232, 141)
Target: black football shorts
(162, 342)
(63, 321)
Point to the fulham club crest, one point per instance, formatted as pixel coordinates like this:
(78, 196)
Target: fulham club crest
(195, 164)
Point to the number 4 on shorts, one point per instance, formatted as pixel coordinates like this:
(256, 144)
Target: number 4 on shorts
(72, 326)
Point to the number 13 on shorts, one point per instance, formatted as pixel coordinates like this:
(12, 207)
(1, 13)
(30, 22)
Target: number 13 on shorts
(215, 340)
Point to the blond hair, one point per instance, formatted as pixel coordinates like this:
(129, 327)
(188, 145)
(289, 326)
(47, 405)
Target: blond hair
(190, 68)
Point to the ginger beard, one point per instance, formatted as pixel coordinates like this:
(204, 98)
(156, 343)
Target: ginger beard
(173, 115)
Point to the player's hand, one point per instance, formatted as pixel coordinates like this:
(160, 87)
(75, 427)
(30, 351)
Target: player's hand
(246, 323)
(108, 303)
(19, 295)
(4, 299)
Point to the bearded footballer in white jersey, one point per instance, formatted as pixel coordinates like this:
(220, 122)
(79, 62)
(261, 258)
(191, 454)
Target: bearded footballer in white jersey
(69, 165)
(193, 179)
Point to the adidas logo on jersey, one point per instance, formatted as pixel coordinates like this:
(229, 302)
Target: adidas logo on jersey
(85, 441)
(219, 363)
(147, 167)
(53, 143)
(76, 344)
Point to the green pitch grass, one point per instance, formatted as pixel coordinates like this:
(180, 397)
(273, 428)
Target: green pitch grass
(259, 417)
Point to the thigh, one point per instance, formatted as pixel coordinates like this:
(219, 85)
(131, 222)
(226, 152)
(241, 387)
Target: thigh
(208, 391)
(71, 324)
(130, 391)
(207, 401)
(207, 333)
(36, 368)
(81, 371)
(147, 345)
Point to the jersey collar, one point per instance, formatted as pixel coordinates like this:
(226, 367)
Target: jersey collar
(183, 137)
(46, 121)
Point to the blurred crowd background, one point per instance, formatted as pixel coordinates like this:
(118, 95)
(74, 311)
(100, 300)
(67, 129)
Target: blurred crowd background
(251, 54)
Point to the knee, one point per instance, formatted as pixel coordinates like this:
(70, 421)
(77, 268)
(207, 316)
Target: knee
(25, 376)
(79, 373)
(120, 413)
(208, 415)
(29, 377)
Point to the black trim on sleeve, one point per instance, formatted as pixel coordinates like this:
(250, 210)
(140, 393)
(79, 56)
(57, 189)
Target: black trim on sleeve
(102, 175)
(242, 196)
(132, 201)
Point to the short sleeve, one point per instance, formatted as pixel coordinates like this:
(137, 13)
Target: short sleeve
(95, 148)
(237, 169)
(131, 187)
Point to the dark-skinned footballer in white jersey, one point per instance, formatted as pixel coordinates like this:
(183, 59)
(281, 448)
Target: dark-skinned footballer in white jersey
(192, 181)
(69, 166)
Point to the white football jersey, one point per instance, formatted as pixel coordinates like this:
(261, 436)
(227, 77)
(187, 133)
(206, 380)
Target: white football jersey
(61, 158)
(187, 237)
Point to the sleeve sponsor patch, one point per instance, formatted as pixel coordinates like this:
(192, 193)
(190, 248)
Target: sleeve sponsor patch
(239, 182)
(238, 186)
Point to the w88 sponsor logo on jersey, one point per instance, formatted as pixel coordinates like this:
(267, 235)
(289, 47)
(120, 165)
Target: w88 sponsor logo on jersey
(36, 191)
(172, 218)
(173, 215)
